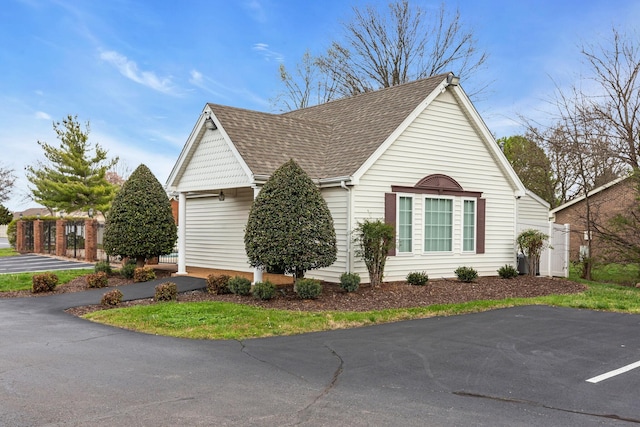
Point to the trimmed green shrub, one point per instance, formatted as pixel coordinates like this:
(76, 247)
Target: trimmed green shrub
(264, 290)
(143, 274)
(290, 228)
(111, 298)
(466, 274)
(239, 285)
(308, 288)
(350, 281)
(218, 284)
(417, 278)
(507, 272)
(44, 282)
(128, 269)
(103, 266)
(97, 280)
(140, 223)
(375, 239)
(167, 291)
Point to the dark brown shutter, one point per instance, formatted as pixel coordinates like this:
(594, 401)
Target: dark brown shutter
(480, 232)
(390, 215)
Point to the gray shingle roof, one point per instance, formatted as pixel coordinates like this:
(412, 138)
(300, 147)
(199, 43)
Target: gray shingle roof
(327, 140)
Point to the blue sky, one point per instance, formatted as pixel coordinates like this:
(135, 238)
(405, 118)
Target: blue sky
(141, 71)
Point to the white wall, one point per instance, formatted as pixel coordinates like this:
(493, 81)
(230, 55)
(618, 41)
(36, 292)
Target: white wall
(215, 231)
(441, 140)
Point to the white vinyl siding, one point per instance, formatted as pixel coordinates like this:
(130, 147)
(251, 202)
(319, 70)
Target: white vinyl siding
(215, 231)
(441, 140)
(438, 225)
(405, 224)
(337, 200)
(469, 225)
(212, 166)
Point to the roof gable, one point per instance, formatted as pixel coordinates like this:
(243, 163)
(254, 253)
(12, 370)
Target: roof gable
(337, 140)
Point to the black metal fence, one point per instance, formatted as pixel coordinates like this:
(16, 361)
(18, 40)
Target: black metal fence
(171, 258)
(49, 243)
(75, 236)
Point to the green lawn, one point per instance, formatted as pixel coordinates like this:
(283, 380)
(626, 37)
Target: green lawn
(7, 252)
(23, 281)
(219, 320)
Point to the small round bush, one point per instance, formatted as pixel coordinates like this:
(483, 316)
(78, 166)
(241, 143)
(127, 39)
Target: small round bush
(507, 272)
(417, 278)
(143, 274)
(239, 285)
(264, 290)
(218, 284)
(350, 281)
(128, 269)
(97, 280)
(111, 298)
(167, 291)
(308, 288)
(44, 282)
(103, 266)
(466, 274)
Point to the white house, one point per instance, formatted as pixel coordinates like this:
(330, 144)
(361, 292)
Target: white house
(417, 155)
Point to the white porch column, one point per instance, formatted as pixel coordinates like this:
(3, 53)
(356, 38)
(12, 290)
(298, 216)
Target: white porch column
(257, 271)
(182, 234)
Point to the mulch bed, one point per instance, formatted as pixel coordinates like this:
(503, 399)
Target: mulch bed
(387, 295)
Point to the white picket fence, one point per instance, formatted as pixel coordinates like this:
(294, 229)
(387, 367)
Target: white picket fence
(554, 261)
(3, 231)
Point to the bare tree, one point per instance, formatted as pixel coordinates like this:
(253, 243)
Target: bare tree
(308, 87)
(383, 49)
(7, 181)
(615, 66)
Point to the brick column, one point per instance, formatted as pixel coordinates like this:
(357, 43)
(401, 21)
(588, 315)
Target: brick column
(20, 236)
(90, 240)
(61, 239)
(38, 236)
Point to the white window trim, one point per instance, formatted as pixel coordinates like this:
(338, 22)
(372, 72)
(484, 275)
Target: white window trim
(413, 225)
(453, 224)
(475, 225)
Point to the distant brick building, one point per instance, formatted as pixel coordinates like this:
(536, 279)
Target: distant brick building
(617, 196)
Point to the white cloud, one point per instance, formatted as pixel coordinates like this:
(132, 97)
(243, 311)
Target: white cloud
(129, 69)
(42, 115)
(256, 10)
(268, 54)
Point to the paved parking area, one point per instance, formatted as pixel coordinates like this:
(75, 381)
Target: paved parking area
(34, 263)
(512, 367)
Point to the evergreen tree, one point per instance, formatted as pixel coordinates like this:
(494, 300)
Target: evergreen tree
(74, 177)
(140, 224)
(531, 164)
(5, 215)
(290, 228)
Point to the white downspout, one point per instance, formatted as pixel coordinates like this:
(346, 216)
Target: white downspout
(257, 271)
(182, 234)
(343, 184)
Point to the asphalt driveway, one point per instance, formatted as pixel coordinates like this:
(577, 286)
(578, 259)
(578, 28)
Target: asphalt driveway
(519, 366)
(33, 263)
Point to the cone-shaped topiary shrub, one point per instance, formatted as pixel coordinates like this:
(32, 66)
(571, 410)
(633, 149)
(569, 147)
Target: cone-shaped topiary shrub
(140, 223)
(290, 228)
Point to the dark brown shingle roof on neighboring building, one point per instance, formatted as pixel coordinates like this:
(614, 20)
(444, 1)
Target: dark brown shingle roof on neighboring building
(327, 140)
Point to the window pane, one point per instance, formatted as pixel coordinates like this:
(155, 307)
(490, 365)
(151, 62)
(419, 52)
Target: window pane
(438, 221)
(469, 226)
(405, 224)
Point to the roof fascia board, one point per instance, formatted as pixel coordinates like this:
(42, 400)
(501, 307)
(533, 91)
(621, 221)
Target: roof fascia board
(398, 131)
(489, 140)
(195, 135)
(590, 193)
